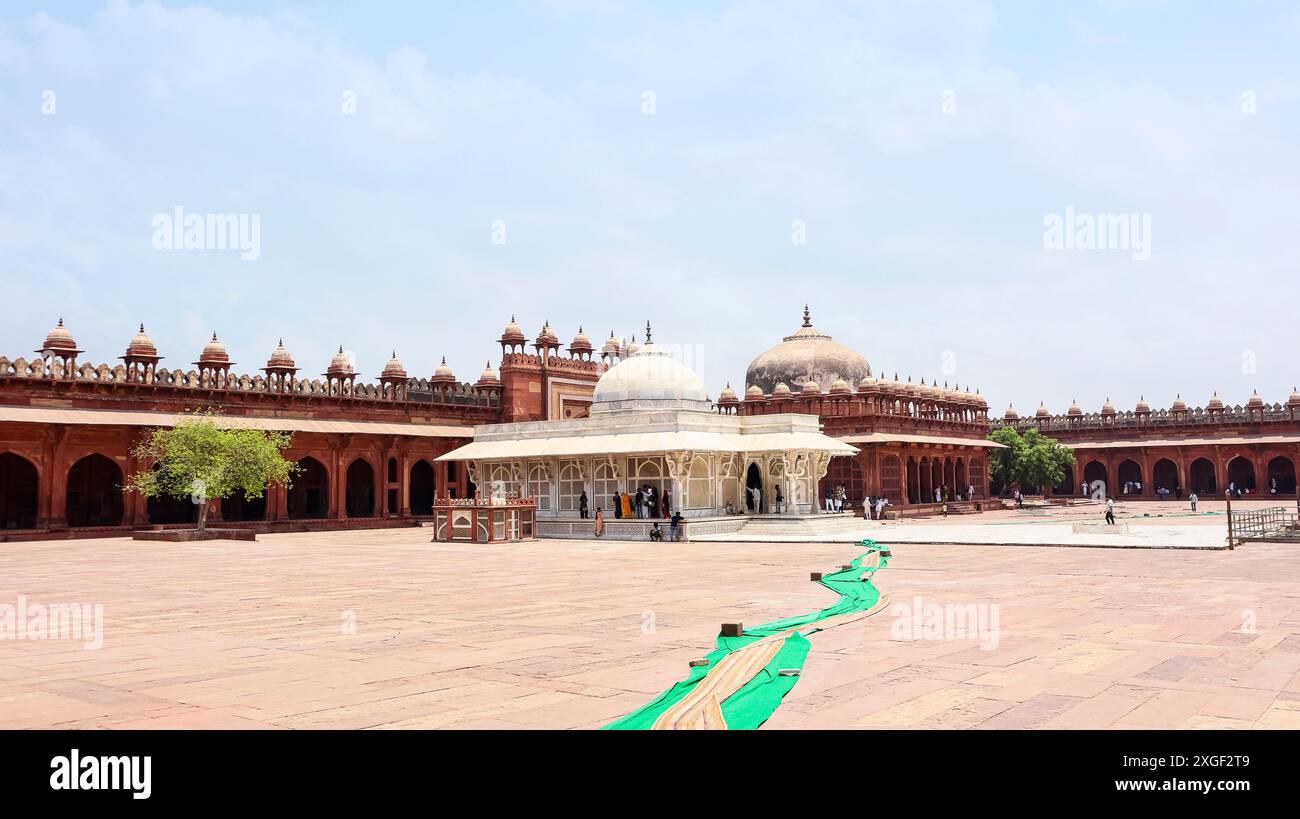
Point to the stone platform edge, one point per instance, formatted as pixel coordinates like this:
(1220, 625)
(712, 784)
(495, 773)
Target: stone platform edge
(193, 535)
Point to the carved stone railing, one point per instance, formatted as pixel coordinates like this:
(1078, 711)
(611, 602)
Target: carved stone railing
(420, 390)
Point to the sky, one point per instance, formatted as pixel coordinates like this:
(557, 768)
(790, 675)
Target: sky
(419, 172)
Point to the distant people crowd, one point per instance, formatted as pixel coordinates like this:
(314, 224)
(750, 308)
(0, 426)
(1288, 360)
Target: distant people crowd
(646, 502)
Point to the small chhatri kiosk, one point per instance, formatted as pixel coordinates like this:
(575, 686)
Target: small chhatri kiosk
(485, 520)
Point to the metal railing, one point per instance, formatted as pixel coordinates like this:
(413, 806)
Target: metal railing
(1260, 524)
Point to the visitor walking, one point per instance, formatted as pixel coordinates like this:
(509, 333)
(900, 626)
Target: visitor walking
(881, 503)
(653, 511)
(1193, 499)
(675, 528)
(1110, 511)
(828, 503)
(600, 522)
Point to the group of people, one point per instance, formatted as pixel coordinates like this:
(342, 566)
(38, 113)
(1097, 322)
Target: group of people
(835, 499)
(873, 508)
(646, 502)
(675, 529)
(943, 494)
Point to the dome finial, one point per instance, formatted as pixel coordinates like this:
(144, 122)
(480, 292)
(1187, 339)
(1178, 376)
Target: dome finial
(647, 331)
(214, 335)
(141, 325)
(807, 318)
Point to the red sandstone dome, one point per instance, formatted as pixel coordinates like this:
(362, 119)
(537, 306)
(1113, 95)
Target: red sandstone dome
(808, 355)
(339, 365)
(1179, 404)
(1255, 401)
(1216, 403)
(1042, 411)
(1294, 400)
(443, 375)
(754, 393)
(547, 337)
(781, 390)
(280, 359)
(60, 340)
(141, 346)
(488, 377)
(580, 343)
(394, 368)
(1010, 414)
(1074, 409)
(1108, 408)
(214, 352)
(811, 388)
(728, 395)
(840, 387)
(513, 334)
(1142, 405)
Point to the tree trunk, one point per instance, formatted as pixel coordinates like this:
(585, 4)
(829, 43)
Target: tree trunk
(203, 516)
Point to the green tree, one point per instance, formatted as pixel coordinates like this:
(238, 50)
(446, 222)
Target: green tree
(1031, 459)
(201, 460)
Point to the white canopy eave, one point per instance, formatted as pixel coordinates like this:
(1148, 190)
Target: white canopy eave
(646, 442)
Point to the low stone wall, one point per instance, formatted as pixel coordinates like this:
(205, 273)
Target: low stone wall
(192, 535)
(261, 527)
(634, 529)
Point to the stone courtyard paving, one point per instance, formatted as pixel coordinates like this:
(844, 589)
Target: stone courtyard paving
(563, 634)
(1151, 525)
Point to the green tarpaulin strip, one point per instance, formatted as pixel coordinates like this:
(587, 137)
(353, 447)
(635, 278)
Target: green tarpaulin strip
(759, 698)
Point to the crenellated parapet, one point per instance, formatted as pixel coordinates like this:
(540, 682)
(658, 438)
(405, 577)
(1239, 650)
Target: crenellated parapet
(1177, 419)
(416, 389)
(56, 373)
(558, 364)
(889, 401)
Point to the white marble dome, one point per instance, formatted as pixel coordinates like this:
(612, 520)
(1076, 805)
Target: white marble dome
(647, 379)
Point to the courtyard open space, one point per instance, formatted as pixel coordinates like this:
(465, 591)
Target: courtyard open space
(384, 629)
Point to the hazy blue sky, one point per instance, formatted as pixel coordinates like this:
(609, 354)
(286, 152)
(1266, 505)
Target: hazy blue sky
(921, 145)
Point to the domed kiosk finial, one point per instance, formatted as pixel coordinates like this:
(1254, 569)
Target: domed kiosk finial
(647, 331)
(807, 317)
